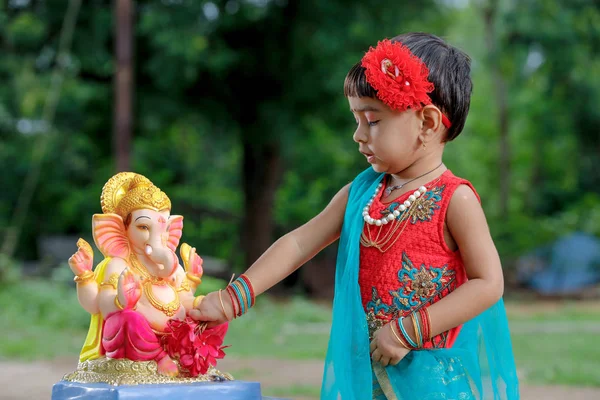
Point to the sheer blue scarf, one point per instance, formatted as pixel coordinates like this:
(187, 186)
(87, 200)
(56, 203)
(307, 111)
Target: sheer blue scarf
(480, 365)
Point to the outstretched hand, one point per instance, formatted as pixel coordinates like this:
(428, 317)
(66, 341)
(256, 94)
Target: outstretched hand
(385, 348)
(210, 309)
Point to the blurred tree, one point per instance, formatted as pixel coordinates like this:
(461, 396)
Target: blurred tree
(239, 114)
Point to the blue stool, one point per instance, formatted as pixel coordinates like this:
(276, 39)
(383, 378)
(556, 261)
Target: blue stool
(228, 390)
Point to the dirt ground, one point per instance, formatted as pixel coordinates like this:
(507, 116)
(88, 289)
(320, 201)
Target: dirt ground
(33, 381)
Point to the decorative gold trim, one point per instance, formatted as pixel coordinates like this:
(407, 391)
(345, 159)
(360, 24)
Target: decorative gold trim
(87, 276)
(170, 308)
(127, 372)
(185, 286)
(112, 281)
(194, 278)
(384, 381)
(118, 303)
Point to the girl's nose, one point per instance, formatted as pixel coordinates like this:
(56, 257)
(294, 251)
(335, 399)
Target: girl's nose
(359, 135)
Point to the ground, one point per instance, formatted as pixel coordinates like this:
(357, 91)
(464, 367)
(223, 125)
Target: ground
(34, 380)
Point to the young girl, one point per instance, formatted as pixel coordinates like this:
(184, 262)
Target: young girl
(417, 312)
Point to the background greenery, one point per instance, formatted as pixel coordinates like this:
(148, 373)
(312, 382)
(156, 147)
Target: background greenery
(240, 117)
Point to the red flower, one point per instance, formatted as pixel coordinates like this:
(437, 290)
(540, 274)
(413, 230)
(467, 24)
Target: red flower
(399, 77)
(195, 347)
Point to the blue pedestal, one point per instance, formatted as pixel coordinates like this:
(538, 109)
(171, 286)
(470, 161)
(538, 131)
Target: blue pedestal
(231, 390)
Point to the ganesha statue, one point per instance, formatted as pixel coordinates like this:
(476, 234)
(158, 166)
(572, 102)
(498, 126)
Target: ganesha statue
(138, 295)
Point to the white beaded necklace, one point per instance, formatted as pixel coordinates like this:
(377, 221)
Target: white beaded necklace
(395, 213)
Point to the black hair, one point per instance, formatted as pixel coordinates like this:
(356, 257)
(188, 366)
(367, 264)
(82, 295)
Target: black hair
(449, 71)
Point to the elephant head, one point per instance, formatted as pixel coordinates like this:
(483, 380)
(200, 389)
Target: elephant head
(137, 221)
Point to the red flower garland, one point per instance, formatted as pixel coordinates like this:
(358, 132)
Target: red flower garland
(195, 347)
(399, 77)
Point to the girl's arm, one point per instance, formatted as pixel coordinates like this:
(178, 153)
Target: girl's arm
(281, 259)
(294, 249)
(468, 226)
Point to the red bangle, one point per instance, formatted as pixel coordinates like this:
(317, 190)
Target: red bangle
(232, 301)
(252, 296)
(402, 335)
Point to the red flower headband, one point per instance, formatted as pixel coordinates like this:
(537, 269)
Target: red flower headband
(399, 77)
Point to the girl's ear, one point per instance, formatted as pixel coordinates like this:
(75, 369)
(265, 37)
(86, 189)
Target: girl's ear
(431, 123)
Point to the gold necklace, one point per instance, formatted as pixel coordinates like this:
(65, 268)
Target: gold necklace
(389, 238)
(170, 308)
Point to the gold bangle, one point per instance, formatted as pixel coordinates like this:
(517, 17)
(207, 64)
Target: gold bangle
(197, 300)
(194, 278)
(418, 337)
(112, 281)
(223, 305)
(396, 335)
(85, 277)
(428, 322)
(118, 303)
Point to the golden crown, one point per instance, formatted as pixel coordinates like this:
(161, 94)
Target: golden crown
(126, 192)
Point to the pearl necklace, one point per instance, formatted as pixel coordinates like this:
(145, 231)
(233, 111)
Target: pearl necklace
(395, 213)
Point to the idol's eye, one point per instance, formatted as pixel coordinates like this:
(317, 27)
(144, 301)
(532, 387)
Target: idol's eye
(143, 227)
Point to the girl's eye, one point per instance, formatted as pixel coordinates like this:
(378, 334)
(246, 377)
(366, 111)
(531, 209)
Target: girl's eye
(373, 123)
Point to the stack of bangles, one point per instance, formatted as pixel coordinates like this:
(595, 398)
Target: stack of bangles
(421, 322)
(241, 294)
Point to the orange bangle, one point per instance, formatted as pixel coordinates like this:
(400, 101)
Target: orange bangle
(398, 337)
(223, 305)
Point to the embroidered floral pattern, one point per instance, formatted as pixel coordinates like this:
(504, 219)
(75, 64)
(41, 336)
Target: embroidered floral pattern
(419, 286)
(425, 209)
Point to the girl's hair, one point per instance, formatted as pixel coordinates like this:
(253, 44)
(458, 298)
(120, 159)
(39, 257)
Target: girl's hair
(449, 71)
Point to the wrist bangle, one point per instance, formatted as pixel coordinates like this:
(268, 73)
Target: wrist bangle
(197, 301)
(398, 337)
(85, 277)
(223, 305)
(118, 303)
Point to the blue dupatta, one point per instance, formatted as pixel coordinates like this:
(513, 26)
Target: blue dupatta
(480, 365)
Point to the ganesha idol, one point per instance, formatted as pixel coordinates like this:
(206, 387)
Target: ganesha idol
(138, 295)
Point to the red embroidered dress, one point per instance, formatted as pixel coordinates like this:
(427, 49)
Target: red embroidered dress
(418, 269)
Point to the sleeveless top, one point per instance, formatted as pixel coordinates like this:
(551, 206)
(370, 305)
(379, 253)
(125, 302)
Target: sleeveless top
(478, 365)
(418, 269)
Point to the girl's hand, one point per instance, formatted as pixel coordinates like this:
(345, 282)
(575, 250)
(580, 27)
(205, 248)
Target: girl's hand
(385, 348)
(210, 309)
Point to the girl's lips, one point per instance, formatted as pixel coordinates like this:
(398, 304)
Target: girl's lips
(370, 157)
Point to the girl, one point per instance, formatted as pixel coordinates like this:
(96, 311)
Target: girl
(417, 312)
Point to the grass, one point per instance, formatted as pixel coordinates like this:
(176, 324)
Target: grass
(43, 320)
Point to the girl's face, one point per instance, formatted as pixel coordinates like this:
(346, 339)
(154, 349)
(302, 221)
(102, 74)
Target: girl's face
(388, 139)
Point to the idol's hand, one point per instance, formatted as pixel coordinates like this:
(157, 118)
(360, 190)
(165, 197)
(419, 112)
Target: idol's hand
(209, 309)
(385, 348)
(81, 262)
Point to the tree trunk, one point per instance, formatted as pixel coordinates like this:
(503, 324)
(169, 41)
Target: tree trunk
(261, 173)
(123, 83)
(504, 158)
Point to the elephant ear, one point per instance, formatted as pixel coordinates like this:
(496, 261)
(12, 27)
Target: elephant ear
(110, 236)
(175, 231)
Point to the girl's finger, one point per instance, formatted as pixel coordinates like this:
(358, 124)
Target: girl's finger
(376, 356)
(395, 361)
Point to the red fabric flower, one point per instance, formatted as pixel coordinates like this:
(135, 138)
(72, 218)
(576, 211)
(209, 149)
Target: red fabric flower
(399, 77)
(196, 348)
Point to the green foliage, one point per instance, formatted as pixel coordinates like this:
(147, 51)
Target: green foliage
(37, 313)
(271, 73)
